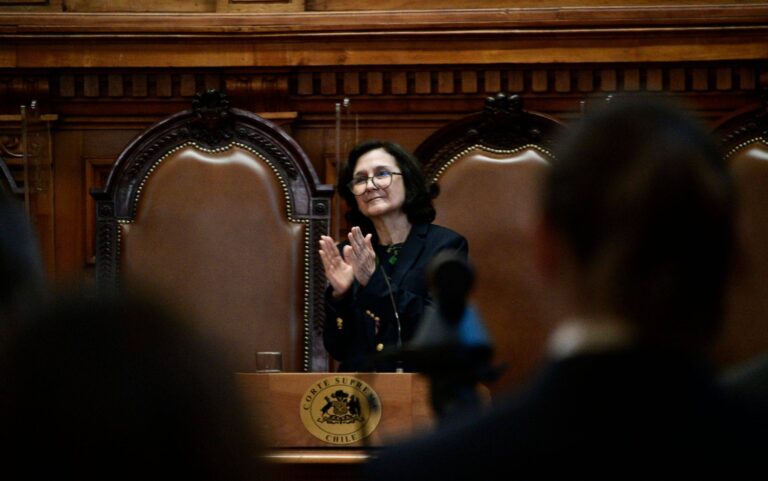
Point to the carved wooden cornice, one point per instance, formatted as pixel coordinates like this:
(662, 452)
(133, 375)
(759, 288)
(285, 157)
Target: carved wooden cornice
(274, 91)
(449, 21)
(432, 37)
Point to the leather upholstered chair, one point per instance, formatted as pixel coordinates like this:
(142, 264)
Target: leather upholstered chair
(219, 210)
(488, 167)
(744, 139)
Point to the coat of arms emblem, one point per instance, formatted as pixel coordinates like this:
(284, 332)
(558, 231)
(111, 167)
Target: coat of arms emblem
(340, 410)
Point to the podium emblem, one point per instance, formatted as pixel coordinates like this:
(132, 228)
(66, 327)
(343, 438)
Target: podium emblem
(340, 410)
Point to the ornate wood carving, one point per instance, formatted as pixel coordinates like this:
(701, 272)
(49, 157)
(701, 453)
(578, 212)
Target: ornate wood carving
(134, 84)
(38, 145)
(146, 93)
(211, 124)
(96, 173)
(317, 314)
(531, 80)
(745, 126)
(108, 246)
(503, 124)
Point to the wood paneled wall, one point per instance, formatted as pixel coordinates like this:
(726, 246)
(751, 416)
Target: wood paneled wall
(108, 76)
(100, 111)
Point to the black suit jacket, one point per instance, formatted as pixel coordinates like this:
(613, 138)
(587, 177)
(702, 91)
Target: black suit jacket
(349, 334)
(633, 414)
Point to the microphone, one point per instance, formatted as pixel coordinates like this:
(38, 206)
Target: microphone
(450, 278)
(450, 326)
(452, 346)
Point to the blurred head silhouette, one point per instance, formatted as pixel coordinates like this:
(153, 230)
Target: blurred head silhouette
(637, 210)
(119, 388)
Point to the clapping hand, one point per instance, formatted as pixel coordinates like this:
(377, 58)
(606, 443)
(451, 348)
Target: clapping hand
(339, 273)
(358, 261)
(360, 255)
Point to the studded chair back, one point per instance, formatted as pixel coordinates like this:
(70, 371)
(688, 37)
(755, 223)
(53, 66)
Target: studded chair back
(218, 210)
(744, 140)
(488, 167)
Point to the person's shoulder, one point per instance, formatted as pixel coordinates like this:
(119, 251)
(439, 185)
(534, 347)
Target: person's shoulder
(475, 446)
(435, 230)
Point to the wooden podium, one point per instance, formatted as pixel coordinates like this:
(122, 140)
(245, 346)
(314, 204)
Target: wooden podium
(278, 399)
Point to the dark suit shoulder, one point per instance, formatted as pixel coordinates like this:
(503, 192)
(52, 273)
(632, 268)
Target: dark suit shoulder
(443, 235)
(435, 229)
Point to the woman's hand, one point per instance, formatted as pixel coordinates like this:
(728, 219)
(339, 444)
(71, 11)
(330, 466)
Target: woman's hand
(339, 273)
(360, 255)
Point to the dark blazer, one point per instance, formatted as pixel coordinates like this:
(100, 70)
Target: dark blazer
(349, 333)
(625, 414)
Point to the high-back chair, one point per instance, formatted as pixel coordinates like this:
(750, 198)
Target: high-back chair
(744, 139)
(219, 211)
(488, 167)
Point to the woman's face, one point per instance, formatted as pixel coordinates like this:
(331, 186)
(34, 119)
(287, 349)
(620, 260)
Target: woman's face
(377, 202)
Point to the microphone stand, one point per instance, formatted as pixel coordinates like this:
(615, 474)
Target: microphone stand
(398, 361)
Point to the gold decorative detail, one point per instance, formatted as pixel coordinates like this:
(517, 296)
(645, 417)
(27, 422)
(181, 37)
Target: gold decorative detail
(379, 347)
(744, 144)
(340, 410)
(488, 149)
(339, 323)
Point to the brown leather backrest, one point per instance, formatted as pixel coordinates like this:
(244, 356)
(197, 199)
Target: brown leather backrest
(488, 166)
(492, 199)
(216, 209)
(212, 232)
(745, 332)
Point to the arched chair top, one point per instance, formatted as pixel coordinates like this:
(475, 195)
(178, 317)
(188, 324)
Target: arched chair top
(213, 126)
(503, 127)
(221, 210)
(744, 128)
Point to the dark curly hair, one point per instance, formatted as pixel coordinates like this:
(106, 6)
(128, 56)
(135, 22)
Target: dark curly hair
(418, 199)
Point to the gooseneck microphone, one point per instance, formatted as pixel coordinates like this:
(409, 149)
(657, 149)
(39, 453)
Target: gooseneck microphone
(452, 346)
(450, 279)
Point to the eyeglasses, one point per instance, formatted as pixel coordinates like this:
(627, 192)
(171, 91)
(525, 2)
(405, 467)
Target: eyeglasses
(380, 180)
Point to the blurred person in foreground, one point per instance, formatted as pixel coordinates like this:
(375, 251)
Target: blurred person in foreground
(634, 244)
(22, 279)
(119, 388)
